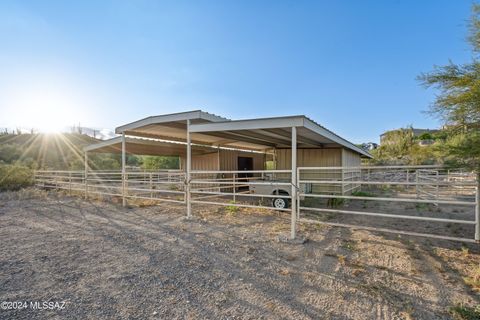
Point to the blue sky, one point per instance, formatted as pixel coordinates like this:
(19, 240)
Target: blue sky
(349, 65)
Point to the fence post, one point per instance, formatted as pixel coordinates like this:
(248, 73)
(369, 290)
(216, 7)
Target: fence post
(234, 188)
(298, 197)
(151, 186)
(124, 200)
(188, 169)
(477, 210)
(126, 186)
(368, 179)
(416, 183)
(85, 175)
(293, 227)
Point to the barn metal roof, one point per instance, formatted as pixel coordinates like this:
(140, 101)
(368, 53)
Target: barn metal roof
(276, 133)
(147, 147)
(259, 134)
(171, 127)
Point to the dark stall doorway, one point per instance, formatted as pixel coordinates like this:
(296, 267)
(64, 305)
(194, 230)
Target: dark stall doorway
(244, 164)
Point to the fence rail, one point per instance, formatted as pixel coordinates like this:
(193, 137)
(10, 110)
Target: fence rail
(378, 198)
(384, 195)
(151, 185)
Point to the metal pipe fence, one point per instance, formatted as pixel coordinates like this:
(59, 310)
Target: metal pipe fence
(235, 188)
(383, 195)
(382, 198)
(148, 185)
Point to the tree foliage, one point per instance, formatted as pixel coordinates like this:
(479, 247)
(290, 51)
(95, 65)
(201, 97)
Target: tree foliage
(458, 102)
(158, 163)
(14, 177)
(65, 152)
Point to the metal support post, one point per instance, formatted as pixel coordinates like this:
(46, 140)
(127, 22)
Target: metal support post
(151, 185)
(293, 182)
(124, 200)
(477, 210)
(85, 175)
(234, 188)
(189, 168)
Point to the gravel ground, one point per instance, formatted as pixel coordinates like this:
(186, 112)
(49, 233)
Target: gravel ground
(105, 262)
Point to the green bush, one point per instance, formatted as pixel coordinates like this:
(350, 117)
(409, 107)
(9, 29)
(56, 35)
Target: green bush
(335, 202)
(15, 177)
(231, 210)
(462, 312)
(362, 194)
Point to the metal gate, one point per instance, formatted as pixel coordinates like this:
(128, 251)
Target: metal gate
(412, 200)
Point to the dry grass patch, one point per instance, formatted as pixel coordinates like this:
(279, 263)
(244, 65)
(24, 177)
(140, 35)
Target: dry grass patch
(463, 262)
(463, 312)
(473, 279)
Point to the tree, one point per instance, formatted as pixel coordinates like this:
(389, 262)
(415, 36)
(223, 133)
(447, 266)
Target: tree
(157, 162)
(458, 102)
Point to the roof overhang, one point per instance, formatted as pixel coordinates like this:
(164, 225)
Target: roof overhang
(275, 133)
(172, 127)
(251, 134)
(146, 147)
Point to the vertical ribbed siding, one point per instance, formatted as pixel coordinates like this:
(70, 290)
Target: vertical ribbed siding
(309, 158)
(314, 158)
(226, 160)
(207, 161)
(350, 159)
(229, 159)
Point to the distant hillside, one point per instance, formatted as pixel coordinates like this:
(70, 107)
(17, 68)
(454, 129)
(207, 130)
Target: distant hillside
(80, 139)
(65, 152)
(52, 151)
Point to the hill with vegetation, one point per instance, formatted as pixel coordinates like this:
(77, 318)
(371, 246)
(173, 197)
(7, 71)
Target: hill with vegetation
(403, 147)
(65, 152)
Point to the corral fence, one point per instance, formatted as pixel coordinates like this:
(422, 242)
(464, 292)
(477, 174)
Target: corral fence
(165, 185)
(427, 201)
(442, 203)
(254, 189)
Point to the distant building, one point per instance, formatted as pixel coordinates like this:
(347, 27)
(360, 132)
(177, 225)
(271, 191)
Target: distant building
(369, 146)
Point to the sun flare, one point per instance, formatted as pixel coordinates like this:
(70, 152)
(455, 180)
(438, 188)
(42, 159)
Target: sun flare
(46, 108)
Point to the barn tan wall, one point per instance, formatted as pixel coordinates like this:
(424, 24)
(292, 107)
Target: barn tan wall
(323, 158)
(312, 158)
(226, 160)
(229, 159)
(207, 161)
(309, 158)
(350, 158)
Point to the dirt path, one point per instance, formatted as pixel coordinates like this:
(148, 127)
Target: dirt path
(109, 262)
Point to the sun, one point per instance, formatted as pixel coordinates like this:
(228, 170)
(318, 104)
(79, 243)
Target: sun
(48, 111)
(51, 120)
(47, 104)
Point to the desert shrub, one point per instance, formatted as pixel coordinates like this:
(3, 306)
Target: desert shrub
(15, 177)
(335, 202)
(363, 194)
(231, 210)
(462, 312)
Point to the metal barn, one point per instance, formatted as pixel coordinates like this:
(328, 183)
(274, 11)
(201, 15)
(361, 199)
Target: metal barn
(219, 148)
(289, 164)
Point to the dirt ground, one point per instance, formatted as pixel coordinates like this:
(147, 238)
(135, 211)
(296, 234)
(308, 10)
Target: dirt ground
(105, 262)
